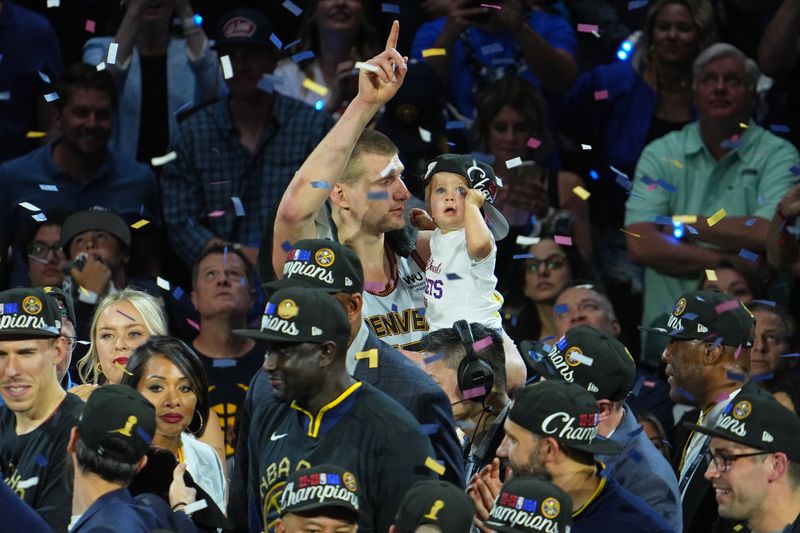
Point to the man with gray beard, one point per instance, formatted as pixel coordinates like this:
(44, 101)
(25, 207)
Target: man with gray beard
(551, 433)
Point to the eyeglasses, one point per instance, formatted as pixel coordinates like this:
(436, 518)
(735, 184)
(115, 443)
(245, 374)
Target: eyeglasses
(722, 462)
(40, 249)
(551, 263)
(71, 342)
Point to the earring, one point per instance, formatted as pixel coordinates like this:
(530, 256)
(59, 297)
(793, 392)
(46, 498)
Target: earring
(201, 423)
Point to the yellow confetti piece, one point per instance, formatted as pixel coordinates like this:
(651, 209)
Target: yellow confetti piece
(743, 125)
(580, 191)
(711, 274)
(123, 368)
(140, 224)
(431, 463)
(372, 355)
(35, 134)
(632, 234)
(313, 86)
(430, 52)
(685, 219)
(716, 217)
(677, 164)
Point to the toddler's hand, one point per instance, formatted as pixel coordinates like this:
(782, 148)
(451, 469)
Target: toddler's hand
(475, 197)
(421, 220)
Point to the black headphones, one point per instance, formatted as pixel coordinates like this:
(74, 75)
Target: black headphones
(472, 371)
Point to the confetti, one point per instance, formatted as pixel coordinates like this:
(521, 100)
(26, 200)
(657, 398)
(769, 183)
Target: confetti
(677, 164)
(33, 481)
(162, 283)
(474, 392)
(685, 219)
(35, 134)
(586, 146)
(224, 363)
(523, 256)
(111, 57)
(129, 317)
(434, 465)
(140, 223)
(480, 344)
(691, 230)
(390, 8)
(39, 217)
(667, 186)
(563, 240)
(795, 170)
(747, 255)
(177, 293)
(370, 355)
(455, 125)
(738, 352)
(101, 66)
(587, 28)
(238, 208)
(302, 56)
(716, 217)
(89, 26)
(579, 358)
(44, 77)
(424, 134)
(51, 97)
(560, 309)
(216, 214)
(227, 67)
(636, 4)
(429, 429)
(193, 324)
(524, 240)
(779, 128)
(452, 276)
(765, 302)
(601, 95)
(735, 376)
(685, 393)
(315, 87)
(41, 460)
(492, 6)
(53, 3)
(515, 162)
(624, 182)
(164, 159)
(534, 143)
(493, 48)
(711, 274)
(5, 95)
(361, 65)
(432, 358)
(274, 39)
(795, 354)
(581, 192)
(29, 206)
(50, 188)
(431, 52)
(292, 8)
(726, 306)
(320, 185)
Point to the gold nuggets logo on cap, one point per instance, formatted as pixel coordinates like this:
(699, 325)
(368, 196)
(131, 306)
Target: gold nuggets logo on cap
(349, 481)
(573, 361)
(324, 257)
(32, 305)
(551, 508)
(680, 307)
(287, 309)
(742, 410)
(238, 27)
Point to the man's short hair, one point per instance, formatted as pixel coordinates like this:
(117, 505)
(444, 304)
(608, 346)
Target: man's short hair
(370, 142)
(447, 342)
(108, 469)
(222, 249)
(718, 50)
(588, 285)
(793, 475)
(83, 76)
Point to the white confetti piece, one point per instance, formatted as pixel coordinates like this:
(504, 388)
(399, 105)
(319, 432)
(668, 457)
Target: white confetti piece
(238, 208)
(111, 58)
(31, 481)
(162, 283)
(5, 95)
(227, 68)
(46, 187)
(425, 135)
(515, 162)
(163, 159)
(29, 206)
(523, 240)
(45, 78)
(53, 3)
(578, 358)
(360, 65)
(39, 217)
(51, 97)
(586, 146)
(101, 66)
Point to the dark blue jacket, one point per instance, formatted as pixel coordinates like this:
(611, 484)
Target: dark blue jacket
(616, 510)
(119, 511)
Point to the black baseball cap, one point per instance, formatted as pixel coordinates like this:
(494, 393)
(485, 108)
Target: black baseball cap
(709, 315)
(97, 218)
(299, 314)
(64, 302)
(113, 413)
(28, 313)
(244, 26)
(595, 360)
(435, 502)
(480, 176)
(528, 504)
(321, 264)
(320, 487)
(564, 411)
(755, 418)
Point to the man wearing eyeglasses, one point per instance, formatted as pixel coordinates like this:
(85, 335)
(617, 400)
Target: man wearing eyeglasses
(753, 462)
(722, 175)
(45, 257)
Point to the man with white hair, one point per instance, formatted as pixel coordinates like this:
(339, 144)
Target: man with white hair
(721, 176)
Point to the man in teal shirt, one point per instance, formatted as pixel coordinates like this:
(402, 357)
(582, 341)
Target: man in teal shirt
(722, 175)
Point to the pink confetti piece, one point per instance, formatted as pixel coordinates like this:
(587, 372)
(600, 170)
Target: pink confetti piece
(722, 397)
(129, 317)
(534, 143)
(192, 323)
(649, 383)
(737, 352)
(601, 94)
(473, 393)
(219, 182)
(652, 187)
(216, 214)
(492, 6)
(563, 239)
(481, 344)
(587, 28)
(726, 306)
(90, 26)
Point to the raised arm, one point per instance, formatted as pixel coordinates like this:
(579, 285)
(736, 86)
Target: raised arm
(782, 248)
(312, 183)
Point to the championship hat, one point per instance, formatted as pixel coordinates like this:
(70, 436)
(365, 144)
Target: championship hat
(115, 414)
(64, 302)
(244, 26)
(480, 176)
(708, 316)
(29, 312)
(529, 505)
(320, 487)
(564, 411)
(595, 360)
(97, 218)
(321, 264)
(435, 502)
(299, 314)
(755, 418)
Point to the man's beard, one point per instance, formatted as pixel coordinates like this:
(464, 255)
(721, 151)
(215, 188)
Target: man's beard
(534, 466)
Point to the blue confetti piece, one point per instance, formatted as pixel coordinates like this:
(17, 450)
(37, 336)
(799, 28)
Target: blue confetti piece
(594, 175)
(291, 44)
(51, 97)
(795, 170)
(302, 56)
(270, 309)
(453, 276)
(421, 311)
(276, 41)
(647, 180)
(378, 195)
(224, 363)
(750, 222)
(716, 342)
(624, 182)
(50, 188)
(292, 8)
(560, 309)
(667, 186)
(729, 144)
(432, 358)
(636, 4)
(685, 393)
(779, 128)
(481, 156)
(746, 254)
(791, 355)
(762, 377)
(429, 429)
(287, 246)
(522, 256)
(690, 229)
(735, 376)
(689, 316)
(394, 307)
(197, 19)
(661, 219)
(761, 199)
(177, 293)
(390, 8)
(45, 78)
(765, 302)
(144, 436)
(238, 208)
(561, 344)
(320, 185)
(41, 460)
(455, 125)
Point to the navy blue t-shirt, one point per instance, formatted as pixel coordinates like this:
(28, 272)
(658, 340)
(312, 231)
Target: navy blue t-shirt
(614, 509)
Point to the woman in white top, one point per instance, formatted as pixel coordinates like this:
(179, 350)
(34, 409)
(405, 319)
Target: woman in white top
(169, 374)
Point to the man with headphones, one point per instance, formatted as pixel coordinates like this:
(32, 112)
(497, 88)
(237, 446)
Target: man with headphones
(467, 361)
